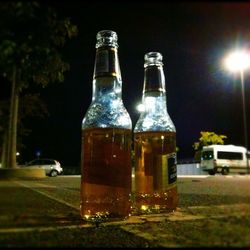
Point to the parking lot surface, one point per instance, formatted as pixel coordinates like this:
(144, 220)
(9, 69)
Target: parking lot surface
(213, 211)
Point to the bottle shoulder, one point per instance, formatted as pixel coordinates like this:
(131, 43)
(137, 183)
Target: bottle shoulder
(154, 122)
(106, 112)
(155, 116)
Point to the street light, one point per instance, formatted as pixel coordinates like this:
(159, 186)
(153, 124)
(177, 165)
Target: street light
(140, 107)
(239, 61)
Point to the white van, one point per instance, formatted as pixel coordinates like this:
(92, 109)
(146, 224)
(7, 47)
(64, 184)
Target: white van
(225, 159)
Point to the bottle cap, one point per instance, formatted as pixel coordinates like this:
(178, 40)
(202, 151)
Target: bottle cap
(106, 38)
(153, 58)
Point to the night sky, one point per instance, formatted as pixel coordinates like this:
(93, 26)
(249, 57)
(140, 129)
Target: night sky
(193, 37)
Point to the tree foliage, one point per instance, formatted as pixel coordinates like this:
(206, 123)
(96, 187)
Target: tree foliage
(207, 138)
(31, 39)
(31, 36)
(30, 105)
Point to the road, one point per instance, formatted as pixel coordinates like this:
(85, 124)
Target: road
(213, 211)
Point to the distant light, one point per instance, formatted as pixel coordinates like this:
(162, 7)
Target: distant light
(140, 107)
(144, 207)
(237, 61)
(38, 153)
(86, 216)
(17, 153)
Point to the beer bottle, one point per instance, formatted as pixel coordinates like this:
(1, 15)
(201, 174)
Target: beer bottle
(155, 183)
(106, 140)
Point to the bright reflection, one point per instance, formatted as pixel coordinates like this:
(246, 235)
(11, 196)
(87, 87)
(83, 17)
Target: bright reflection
(140, 107)
(148, 123)
(124, 120)
(237, 61)
(150, 101)
(144, 207)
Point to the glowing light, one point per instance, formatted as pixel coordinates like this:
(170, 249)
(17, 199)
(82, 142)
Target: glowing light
(238, 61)
(86, 216)
(144, 207)
(140, 107)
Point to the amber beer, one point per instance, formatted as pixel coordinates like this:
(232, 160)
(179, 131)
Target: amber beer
(155, 171)
(106, 168)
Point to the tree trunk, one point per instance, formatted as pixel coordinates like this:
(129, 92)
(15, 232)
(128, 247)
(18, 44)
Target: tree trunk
(197, 155)
(4, 150)
(12, 131)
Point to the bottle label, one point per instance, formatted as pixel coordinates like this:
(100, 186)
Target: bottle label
(106, 61)
(162, 168)
(172, 169)
(165, 171)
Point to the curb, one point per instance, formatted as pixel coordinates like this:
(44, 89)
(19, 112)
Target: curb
(20, 173)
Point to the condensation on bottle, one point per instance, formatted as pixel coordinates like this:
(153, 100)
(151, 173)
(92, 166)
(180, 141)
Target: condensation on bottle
(106, 140)
(155, 172)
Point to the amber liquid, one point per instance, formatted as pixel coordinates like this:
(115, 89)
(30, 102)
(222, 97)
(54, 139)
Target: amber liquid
(155, 182)
(106, 174)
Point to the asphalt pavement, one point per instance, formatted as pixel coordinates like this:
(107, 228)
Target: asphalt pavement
(213, 211)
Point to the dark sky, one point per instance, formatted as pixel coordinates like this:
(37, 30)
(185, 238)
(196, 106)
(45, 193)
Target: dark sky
(193, 37)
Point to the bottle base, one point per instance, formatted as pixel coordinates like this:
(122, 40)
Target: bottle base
(144, 203)
(102, 217)
(146, 209)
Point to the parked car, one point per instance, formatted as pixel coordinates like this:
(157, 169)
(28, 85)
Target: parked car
(52, 167)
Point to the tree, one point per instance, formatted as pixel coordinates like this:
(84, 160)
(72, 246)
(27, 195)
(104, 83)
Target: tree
(207, 138)
(31, 39)
(30, 105)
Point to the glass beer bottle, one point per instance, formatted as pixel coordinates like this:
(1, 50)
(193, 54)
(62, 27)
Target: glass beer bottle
(155, 183)
(106, 140)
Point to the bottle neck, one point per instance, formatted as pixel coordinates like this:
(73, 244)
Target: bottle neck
(155, 116)
(107, 75)
(154, 93)
(154, 79)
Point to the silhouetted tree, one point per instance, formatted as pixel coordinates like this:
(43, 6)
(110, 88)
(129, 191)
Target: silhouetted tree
(30, 105)
(31, 39)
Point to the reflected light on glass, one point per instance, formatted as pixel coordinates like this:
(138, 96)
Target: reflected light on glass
(150, 101)
(140, 107)
(123, 120)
